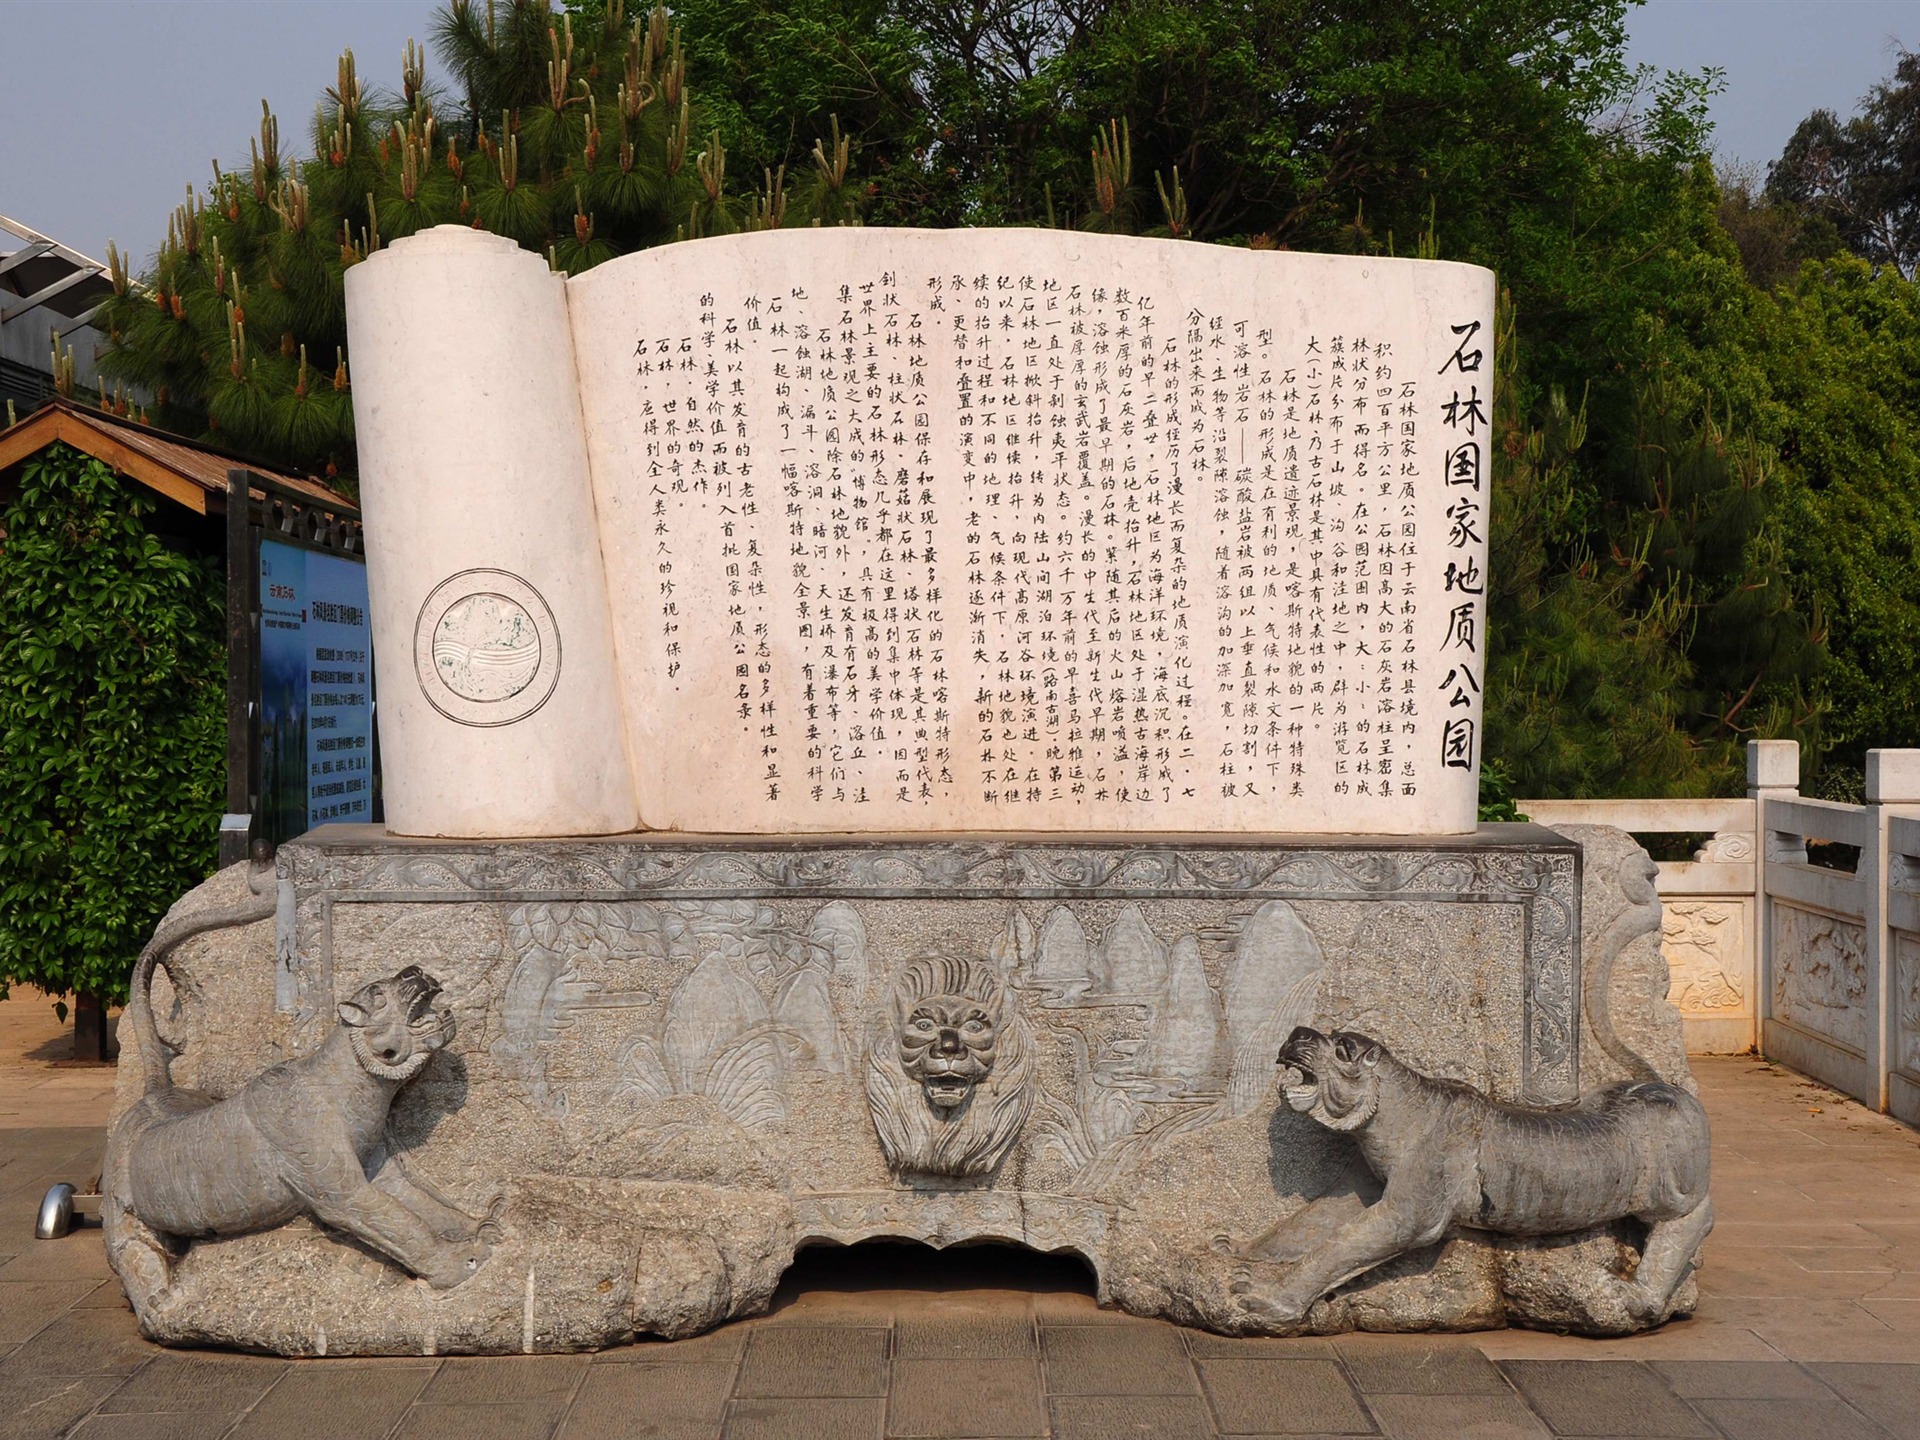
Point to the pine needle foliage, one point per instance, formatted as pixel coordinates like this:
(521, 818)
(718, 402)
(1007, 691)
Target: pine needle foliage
(577, 136)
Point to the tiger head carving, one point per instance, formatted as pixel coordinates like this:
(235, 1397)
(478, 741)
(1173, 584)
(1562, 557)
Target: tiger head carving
(950, 1070)
(393, 1025)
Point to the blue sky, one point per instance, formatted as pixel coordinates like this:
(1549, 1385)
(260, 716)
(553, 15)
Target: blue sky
(111, 108)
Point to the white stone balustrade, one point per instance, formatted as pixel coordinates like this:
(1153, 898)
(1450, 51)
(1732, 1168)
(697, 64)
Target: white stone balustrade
(1815, 964)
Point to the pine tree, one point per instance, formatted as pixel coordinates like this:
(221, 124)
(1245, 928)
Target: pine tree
(577, 137)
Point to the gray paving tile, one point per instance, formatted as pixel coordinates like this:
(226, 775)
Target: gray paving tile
(107, 1295)
(1443, 1369)
(83, 1342)
(1115, 1360)
(1275, 1347)
(325, 1400)
(171, 1425)
(965, 1397)
(1071, 1308)
(792, 1419)
(665, 1400)
(502, 1379)
(196, 1380)
(27, 1305)
(1452, 1417)
(717, 1347)
(1130, 1417)
(814, 1361)
(1789, 1420)
(1600, 1397)
(1887, 1393)
(79, 1256)
(532, 1420)
(1282, 1397)
(39, 1408)
(975, 1337)
(1741, 1380)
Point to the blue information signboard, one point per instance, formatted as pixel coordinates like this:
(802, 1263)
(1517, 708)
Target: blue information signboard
(316, 691)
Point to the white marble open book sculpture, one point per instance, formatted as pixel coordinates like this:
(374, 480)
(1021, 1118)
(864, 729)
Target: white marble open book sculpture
(899, 530)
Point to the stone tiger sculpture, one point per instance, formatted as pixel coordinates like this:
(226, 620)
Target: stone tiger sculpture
(307, 1137)
(1450, 1157)
(950, 1070)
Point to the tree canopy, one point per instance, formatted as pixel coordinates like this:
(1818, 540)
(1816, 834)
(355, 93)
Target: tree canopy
(1709, 386)
(579, 140)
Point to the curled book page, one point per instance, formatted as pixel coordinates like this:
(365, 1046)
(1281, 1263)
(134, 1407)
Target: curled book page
(498, 700)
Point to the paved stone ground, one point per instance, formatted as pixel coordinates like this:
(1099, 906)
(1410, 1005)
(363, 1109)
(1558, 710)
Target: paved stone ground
(39, 1082)
(1807, 1330)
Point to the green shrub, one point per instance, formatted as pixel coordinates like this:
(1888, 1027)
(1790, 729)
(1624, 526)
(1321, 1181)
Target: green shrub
(112, 726)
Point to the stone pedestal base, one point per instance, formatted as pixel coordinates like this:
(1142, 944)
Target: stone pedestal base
(677, 1059)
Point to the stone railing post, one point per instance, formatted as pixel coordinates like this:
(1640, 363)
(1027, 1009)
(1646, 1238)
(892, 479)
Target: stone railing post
(1773, 773)
(1893, 779)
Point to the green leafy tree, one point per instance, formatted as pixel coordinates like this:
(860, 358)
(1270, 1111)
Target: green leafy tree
(1774, 238)
(1840, 351)
(112, 726)
(1862, 174)
(1643, 618)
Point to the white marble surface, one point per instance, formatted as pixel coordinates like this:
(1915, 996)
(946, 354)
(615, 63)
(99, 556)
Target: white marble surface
(498, 701)
(943, 531)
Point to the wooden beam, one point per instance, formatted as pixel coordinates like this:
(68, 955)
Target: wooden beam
(102, 445)
(38, 433)
(35, 433)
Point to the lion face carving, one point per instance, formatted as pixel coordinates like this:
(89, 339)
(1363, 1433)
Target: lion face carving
(947, 1044)
(950, 1070)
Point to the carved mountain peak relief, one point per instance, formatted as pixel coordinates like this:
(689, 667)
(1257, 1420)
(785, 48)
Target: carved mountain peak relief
(1013, 951)
(1186, 1042)
(1064, 956)
(812, 1032)
(837, 935)
(1274, 985)
(719, 1041)
(1133, 960)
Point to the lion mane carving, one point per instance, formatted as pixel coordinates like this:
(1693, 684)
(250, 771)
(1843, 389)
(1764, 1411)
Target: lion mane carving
(949, 1070)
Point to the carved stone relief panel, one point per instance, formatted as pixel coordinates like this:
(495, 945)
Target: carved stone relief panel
(1906, 989)
(1820, 974)
(675, 1060)
(1044, 1044)
(1709, 956)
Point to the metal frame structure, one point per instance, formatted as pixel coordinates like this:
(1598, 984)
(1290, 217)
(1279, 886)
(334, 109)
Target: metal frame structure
(37, 246)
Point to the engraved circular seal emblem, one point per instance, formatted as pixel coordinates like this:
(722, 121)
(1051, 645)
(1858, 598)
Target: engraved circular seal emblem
(486, 648)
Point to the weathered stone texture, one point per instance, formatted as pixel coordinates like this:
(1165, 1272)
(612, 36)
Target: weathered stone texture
(669, 1052)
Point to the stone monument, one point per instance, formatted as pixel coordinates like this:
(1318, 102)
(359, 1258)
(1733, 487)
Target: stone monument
(901, 734)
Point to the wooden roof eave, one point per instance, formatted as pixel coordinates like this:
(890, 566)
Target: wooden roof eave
(39, 431)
